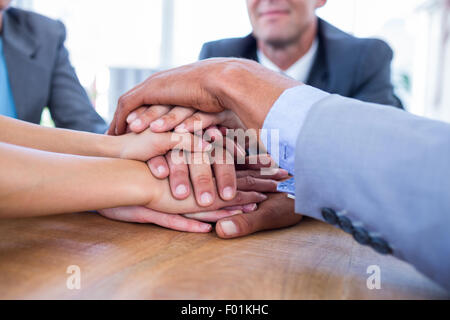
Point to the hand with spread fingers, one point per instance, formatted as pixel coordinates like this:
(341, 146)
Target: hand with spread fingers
(247, 180)
(194, 222)
(213, 85)
(180, 119)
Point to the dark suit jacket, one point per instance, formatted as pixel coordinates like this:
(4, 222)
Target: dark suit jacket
(349, 66)
(41, 75)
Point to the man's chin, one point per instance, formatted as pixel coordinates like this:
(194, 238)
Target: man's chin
(278, 41)
(277, 37)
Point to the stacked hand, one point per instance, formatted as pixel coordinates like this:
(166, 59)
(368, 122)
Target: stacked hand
(233, 221)
(227, 93)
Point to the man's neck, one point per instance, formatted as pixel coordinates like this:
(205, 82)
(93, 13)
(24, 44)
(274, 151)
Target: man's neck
(284, 57)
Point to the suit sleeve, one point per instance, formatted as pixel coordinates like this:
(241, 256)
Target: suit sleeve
(205, 52)
(380, 174)
(69, 104)
(374, 83)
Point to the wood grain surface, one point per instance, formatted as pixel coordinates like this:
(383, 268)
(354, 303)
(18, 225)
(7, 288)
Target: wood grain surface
(130, 261)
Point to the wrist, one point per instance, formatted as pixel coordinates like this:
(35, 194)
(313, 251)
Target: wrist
(138, 183)
(249, 89)
(110, 146)
(225, 86)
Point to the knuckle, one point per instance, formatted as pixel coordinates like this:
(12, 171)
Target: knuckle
(203, 179)
(226, 177)
(254, 196)
(170, 224)
(179, 173)
(250, 181)
(121, 102)
(149, 114)
(245, 225)
(139, 111)
(170, 117)
(239, 198)
(241, 174)
(196, 117)
(142, 218)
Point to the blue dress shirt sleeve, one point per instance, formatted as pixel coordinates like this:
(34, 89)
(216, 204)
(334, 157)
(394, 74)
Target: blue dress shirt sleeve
(284, 123)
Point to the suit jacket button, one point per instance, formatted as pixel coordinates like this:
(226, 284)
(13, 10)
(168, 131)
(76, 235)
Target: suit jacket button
(361, 236)
(380, 245)
(330, 216)
(346, 224)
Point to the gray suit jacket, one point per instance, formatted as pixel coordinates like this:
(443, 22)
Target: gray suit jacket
(380, 174)
(41, 74)
(349, 66)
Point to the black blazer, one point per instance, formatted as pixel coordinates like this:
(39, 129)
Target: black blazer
(345, 65)
(41, 75)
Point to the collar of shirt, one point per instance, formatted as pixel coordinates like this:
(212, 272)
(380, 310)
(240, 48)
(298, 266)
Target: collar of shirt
(299, 70)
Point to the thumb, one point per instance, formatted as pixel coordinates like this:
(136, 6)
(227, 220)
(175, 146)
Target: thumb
(112, 128)
(266, 218)
(240, 225)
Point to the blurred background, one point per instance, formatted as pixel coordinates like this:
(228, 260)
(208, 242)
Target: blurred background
(116, 44)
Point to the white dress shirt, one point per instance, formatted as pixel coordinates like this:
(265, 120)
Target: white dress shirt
(287, 117)
(299, 70)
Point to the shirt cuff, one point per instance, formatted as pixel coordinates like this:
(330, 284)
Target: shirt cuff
(284, 122)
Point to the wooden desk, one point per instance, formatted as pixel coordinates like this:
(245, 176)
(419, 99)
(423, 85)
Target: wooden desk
(121, 260)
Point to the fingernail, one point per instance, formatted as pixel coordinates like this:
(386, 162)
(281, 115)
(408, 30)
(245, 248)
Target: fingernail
(181, 190)
(284, 172)
(236, 212)
(131, 117)
(157, 124)
(250, 207)
(136, 123)
(181, 129)
(206, 198)
(228, 193)
(161, 170)
(229, 228)
(206, 227)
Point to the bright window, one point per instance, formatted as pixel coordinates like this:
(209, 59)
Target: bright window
(112, 40)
